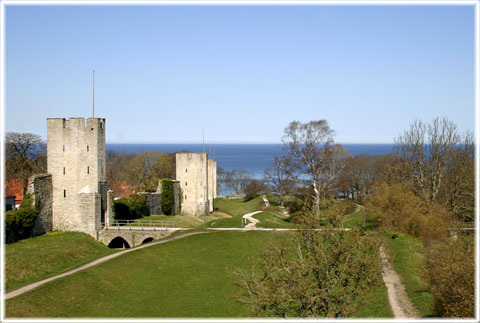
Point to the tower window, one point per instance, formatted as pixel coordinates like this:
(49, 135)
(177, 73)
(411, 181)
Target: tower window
(88, 148)
(64, 193)
(63, 170)
(64, 123)
(63, 147)
(185, 183)
(186, 170)
(101, 125)
(185, 197)
(88, 169)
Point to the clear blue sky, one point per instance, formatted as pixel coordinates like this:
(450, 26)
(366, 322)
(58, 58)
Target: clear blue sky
(162, 73)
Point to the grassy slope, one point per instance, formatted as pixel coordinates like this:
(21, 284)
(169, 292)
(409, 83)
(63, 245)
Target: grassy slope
(184, 278)
(272, 219)
(238, 207)
(33, 259)
(183, 221)
(407, 259)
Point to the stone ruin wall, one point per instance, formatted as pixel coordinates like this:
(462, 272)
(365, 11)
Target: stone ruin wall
(40, 188)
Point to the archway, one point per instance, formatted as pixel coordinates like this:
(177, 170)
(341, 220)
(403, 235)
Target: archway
(118, 242)
(147, 240)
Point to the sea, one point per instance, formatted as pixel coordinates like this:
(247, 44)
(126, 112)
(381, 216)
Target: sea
(254, 158)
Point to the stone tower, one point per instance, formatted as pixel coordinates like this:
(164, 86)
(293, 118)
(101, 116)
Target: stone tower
(76, 160)
(192, 174)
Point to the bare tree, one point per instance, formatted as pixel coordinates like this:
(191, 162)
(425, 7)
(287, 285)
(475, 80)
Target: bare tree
(426, 149)
(308, 145)
(279, 176)
(25, 155)
(236, 179)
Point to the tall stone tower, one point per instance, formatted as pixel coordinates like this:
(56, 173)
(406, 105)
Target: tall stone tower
(76, 160)
(193, 176)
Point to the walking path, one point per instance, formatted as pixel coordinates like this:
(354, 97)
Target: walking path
(401, 306)
(267, 203)
(27, 288)
(252, 220)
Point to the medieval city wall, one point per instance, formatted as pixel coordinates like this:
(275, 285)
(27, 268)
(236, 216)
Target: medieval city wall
(76, 159)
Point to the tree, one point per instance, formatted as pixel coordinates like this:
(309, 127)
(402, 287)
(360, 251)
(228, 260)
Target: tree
(148, 167)
(458, 190)
(279, 177)
(236, 179)
(308, 145)
(25, 156)
(220, 180)
(426, 150)
(253, 188)
(317, 273)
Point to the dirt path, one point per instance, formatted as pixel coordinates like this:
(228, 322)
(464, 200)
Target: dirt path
(401, 306)
(27, 288)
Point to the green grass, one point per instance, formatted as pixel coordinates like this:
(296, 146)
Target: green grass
(272, 219)
(379, 307)
(37, 258)
(237, 207)
(182, 221)
(233, 222)
(357, 218)
(406, 255)
(190, 277)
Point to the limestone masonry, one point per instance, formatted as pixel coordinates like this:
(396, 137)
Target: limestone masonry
(73, 196)
(198, 180)
(76, 160)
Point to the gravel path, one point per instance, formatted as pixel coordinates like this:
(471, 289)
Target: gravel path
(401, 305)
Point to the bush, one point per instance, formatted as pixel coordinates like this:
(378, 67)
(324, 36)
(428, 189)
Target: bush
(450, 271)
(19, 223)
(396, 208)
(315, 274)
(349, 207)
(133, 207)
(168, 199)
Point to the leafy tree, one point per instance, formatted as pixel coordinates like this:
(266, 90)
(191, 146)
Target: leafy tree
(318, 273)
(25, 156)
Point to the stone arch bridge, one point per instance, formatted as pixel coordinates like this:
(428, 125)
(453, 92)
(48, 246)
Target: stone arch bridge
(118, 238)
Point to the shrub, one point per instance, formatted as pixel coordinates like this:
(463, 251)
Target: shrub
(349, 207)
(315, 274)
(168, 199)
(450, 271)
(397, 208)
(19, 223)
(133, 207)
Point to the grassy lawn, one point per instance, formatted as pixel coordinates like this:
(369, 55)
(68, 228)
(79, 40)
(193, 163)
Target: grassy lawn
(406, 255)
(233, 222)
(190, 277)
(182, 221)
(272, 219)
(33, 259)
(237, 207)
(357, 218)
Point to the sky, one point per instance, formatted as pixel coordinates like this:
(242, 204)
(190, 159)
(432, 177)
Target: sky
(242, 73)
